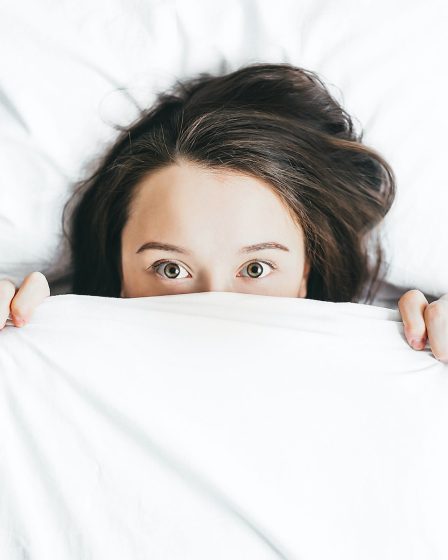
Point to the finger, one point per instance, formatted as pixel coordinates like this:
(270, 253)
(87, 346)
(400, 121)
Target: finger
(436, 318)
(31, 293)
(412, 306)
(7, 291)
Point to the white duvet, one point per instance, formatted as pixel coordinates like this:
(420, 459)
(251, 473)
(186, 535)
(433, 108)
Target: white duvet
(220, 426)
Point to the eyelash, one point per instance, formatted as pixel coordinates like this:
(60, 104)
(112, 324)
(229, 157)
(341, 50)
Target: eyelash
(155, 265)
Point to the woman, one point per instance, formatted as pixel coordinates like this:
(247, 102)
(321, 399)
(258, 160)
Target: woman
(260, 162)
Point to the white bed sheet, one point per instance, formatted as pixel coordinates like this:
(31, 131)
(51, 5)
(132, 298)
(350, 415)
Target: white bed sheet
(220, 425)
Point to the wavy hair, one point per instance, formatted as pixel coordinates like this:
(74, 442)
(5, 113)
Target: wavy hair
(276, 122)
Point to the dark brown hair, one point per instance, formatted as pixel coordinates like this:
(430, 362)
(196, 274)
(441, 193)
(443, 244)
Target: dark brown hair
(276, 122)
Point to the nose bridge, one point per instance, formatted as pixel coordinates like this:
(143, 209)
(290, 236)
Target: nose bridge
(216, 280)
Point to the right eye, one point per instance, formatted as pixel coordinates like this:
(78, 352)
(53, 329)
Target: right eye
(171, 268)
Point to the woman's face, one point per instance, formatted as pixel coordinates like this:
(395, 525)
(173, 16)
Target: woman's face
(212, 220)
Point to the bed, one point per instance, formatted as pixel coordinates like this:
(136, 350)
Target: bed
(218, 425)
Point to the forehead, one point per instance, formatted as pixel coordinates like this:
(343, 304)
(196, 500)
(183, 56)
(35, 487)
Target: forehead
(186, 197)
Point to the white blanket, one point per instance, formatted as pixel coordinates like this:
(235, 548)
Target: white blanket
(220, 426)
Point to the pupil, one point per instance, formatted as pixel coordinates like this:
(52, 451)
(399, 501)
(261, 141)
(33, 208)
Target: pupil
(170, 268)
(255, 265)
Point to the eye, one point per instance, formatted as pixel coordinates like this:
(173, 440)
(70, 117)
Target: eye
(170, 269)
(255, 268)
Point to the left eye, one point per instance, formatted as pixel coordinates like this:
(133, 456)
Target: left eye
(255, 268)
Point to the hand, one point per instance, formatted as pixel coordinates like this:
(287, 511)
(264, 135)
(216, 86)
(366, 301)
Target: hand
(22, 302)
(423, 320)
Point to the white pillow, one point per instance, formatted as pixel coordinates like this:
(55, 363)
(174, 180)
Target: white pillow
(70, 69)
(213, 426)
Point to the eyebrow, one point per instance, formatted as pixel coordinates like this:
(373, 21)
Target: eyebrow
(175, 249)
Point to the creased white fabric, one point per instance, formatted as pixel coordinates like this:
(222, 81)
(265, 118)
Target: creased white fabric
(220, 425)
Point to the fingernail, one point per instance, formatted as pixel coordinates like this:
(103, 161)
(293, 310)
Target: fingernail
(418, 343)
(19, 321)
